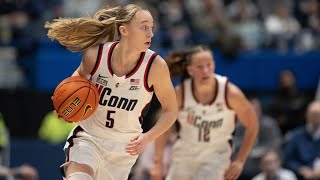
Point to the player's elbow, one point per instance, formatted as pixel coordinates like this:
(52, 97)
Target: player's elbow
(174, 112)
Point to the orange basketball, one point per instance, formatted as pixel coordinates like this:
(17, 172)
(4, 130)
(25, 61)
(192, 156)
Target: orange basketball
(75, 98)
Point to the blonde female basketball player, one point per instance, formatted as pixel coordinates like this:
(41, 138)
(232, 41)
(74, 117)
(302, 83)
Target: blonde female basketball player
(106, 145)
(208, 106)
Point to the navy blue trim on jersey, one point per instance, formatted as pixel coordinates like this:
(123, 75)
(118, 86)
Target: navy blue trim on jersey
(215, 94)
(98, 60)
(67, 151)
(136, 67)
(146, 74)
(134, 70)
(226, 95)
(183, 95)
(144, 112)
(109, 57)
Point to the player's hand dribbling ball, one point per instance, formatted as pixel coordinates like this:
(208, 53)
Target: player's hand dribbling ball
(75, 99)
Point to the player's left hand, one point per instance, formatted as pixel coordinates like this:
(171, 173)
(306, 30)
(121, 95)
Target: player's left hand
(137, 144)
(234, 170)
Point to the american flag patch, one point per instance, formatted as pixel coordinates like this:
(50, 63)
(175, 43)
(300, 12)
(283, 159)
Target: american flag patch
(134, 81)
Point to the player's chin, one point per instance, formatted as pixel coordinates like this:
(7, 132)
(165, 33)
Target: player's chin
(204, 80)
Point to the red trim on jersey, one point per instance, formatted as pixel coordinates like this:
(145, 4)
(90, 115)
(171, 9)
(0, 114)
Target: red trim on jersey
(109, 57)
(230, 140)
(146, 73)
(98, 59)
(135, 69)
(226, 95)
(99, 88)
(215, 93)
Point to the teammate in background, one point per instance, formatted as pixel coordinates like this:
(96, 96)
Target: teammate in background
(208, 106)
(106, 145)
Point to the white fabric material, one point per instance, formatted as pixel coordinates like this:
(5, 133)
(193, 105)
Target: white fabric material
(206, 124)
(106, 157)
(282, 174)
(79, 176)
(121, 99)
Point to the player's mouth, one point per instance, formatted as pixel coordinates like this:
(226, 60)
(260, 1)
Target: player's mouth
(148, 43)
(205, 78)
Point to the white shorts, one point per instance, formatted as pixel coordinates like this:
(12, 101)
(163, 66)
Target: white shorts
(190, 162)
(106, 157)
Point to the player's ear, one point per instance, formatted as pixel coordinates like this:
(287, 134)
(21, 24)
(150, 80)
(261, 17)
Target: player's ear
(123, 30)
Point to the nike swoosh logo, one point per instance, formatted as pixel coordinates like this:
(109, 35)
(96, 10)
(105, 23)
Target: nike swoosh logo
(102, 76)
(86, 110)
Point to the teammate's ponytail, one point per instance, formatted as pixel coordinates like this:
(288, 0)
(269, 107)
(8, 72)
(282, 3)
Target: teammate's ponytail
(179, 60)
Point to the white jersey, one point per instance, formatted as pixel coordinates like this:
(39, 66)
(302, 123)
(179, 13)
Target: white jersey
(213, 123)
(123, 101)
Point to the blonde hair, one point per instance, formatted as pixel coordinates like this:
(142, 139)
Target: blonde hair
(179, 60)
(79, 34)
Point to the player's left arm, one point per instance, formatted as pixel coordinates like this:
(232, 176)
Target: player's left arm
(248, 118)
(159, 79)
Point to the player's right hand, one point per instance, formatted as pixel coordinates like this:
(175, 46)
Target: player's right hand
(156, 172)
(56, 113)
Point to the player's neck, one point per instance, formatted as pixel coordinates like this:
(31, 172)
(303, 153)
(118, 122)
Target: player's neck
(205, 88)
(125, 56)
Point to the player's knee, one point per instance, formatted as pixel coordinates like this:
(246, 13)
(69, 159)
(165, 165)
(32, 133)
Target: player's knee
(79, 176)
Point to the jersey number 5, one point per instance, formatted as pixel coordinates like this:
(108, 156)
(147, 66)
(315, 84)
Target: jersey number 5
(110, 120)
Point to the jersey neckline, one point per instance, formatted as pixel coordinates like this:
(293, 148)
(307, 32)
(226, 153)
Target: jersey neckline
(132, 72)
(213, 99)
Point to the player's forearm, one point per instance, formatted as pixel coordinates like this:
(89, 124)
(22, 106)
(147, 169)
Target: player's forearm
(160, 144)
(165, 121)
(248, 141)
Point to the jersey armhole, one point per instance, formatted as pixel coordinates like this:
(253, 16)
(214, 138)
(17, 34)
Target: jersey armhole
(226, 95)
(146, 74)
(98, 60)
(182, 95)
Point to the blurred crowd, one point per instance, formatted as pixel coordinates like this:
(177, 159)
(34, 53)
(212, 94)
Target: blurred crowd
(290, 125)
(232, 25)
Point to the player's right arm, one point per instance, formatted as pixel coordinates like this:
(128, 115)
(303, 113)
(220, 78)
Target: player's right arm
(161, 142)
(86, 66)
(88, 62)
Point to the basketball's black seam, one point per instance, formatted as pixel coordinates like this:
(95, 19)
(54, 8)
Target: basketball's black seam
(70, 82)
(95, 96)
(83, 103)
(70, 96)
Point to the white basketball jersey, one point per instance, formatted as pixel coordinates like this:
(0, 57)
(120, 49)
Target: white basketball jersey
(123, 101)
(213, 123)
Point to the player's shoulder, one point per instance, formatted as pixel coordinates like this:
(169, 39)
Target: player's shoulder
(91, 53)
(159, 64)
(233, 89)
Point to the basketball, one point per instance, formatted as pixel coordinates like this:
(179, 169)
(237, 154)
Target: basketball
(75, 99)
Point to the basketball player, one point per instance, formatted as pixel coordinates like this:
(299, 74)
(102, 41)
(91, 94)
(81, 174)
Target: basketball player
(209, 105)
(106, 145)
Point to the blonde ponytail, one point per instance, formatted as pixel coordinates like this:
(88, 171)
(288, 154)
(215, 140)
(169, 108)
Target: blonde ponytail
(79, 34)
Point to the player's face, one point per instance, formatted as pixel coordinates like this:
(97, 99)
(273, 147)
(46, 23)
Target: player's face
(140, 31)
(201, 67)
